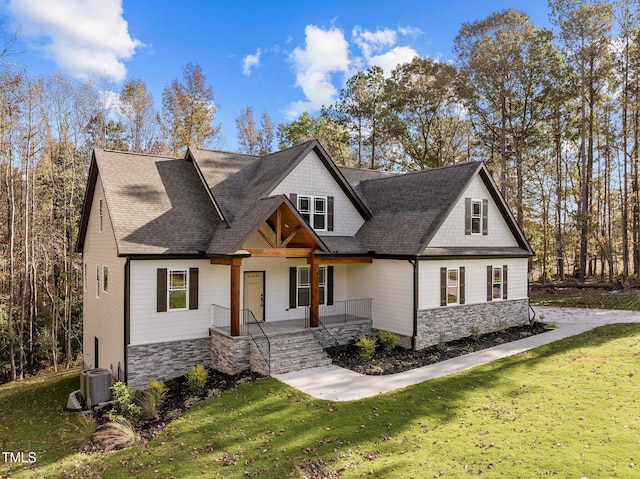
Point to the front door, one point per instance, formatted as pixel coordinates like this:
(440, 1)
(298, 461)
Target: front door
(254, 293)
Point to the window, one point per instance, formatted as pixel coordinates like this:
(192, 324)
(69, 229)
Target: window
(497, 283)
(476, 217)
(178, 287)
(100, 216)
(105, 279)
(453, 286)
(98, 278)
(314, 210)
(304, 285)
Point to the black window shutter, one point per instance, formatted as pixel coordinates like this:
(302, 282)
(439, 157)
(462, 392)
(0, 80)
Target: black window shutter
(443, 286)
(330, 213)
(467, 216)
(193, 288)
(489, 283)
(329, 285)
(293, 283)
(461, 283)
(485, 221)
(294, 199)
(161, 290)
(504, 282)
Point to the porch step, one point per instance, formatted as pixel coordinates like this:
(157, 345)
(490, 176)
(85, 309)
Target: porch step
(290, 351)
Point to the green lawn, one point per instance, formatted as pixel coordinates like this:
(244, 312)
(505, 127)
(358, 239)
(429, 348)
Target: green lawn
(568, 410)
(589, 299)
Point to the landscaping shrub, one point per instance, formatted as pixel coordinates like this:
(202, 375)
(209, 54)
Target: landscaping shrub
(197, 378)
(388, 340)
(366, 346)
(123, 404)
(153, 398)
(117, 434)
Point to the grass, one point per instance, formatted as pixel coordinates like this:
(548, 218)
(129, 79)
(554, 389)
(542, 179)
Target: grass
(568, 409)
(589, 299)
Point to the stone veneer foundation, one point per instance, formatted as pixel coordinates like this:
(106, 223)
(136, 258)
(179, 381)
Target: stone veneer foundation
(456, 322)
(164, 361)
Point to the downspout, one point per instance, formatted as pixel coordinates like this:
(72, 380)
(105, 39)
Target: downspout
(414, 263)
(127, 314)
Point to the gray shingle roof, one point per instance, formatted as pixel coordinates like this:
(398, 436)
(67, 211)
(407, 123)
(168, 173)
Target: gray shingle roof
(157, 204)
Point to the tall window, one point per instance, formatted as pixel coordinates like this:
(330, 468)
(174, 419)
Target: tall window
(476, 217)
(304, 285)
(497, 282)
(105, 279)
(178, 287)
(100, 216)
(314, 210)
(98, 280)
(453, 286)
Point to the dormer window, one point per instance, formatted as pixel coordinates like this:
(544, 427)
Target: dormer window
(314, 210)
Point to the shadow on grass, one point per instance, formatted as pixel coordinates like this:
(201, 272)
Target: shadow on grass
(268, 426)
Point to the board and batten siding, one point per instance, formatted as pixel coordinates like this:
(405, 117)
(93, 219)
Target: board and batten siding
(310, 177)
(452, 231)
(103, 317)
(147, 326)
(475, 279)
(390, 285)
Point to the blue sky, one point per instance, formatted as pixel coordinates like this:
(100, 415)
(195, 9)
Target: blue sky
(285, 57)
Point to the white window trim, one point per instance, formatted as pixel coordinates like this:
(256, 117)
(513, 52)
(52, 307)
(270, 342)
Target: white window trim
(320, 284)
(457, 286)
(100, 216)
(493, 283)
(312, 211)
(479, 217)
(98, 280)
(185, 288)
(105, 274)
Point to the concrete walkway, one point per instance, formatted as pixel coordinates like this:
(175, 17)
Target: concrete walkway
(334, 383)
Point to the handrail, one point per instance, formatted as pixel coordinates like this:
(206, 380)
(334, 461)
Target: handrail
(267, 359)
(220, 318)
(321, 325)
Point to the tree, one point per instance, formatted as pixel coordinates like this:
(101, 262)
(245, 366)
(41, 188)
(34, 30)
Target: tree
(584, 29)
(331, 134)
(251, 139)
(139, 118)
(188, 111)
(426, 119)
(506, 65)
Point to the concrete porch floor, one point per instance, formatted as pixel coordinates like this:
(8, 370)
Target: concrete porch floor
(271, 328)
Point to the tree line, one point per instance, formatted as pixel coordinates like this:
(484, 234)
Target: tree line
(553, 112)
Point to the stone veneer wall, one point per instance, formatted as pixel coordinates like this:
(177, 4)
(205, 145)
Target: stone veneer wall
(229, 354)
(343, 333)
(455, 322)
(164, 361)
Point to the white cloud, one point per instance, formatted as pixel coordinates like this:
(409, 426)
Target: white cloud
(410, 31)
(388, 61)
(370, 42)
(326, 53)
(81, 36)
(250, 61)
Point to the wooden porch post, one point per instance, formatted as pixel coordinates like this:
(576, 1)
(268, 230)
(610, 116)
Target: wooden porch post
(234, 327)
(314, 271)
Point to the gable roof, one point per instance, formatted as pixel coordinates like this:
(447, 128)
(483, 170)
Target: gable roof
(157, 205)
(408, 209)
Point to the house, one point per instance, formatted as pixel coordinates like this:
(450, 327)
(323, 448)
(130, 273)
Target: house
(237, 261)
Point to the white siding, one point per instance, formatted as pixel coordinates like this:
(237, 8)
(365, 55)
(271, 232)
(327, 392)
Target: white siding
(475, 279)
(148, 326)
(390, 284)
(311, 177)
(452, 230)
(103, 317)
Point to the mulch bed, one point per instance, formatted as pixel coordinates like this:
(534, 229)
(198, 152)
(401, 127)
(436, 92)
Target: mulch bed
(400, 359)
